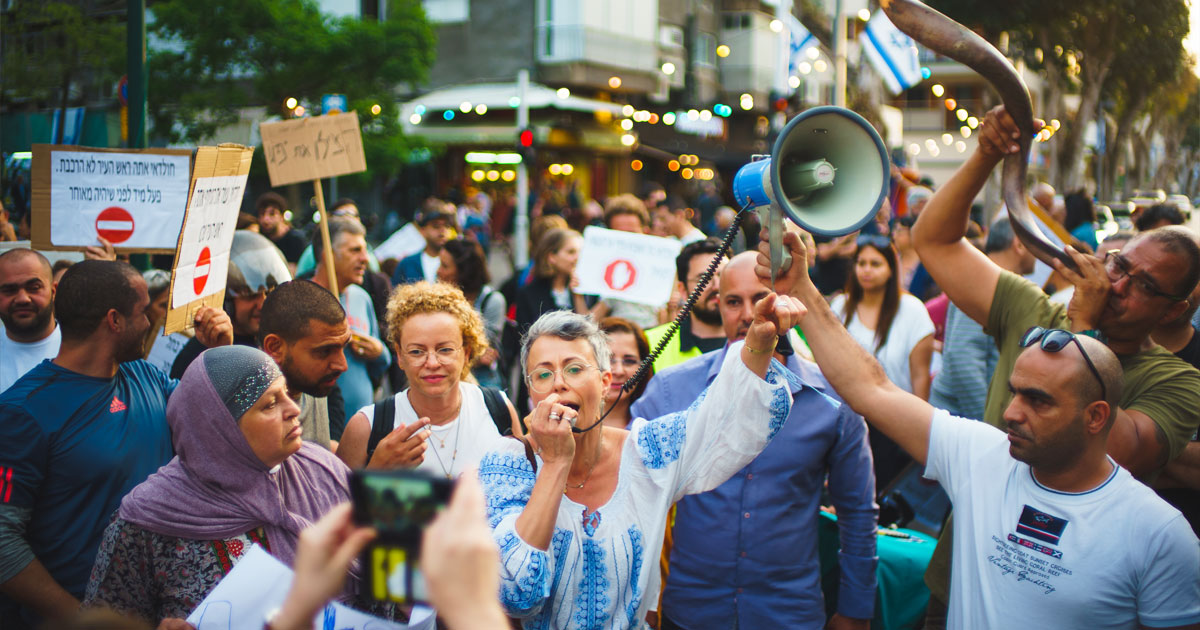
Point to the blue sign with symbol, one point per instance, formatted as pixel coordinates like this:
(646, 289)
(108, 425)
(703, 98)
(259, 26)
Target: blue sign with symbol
(333, 103)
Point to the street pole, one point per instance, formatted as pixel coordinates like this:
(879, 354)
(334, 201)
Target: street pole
(521, 225)
(135, 67)
(839, 55)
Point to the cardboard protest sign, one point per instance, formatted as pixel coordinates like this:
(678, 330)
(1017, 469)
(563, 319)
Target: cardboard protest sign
(134, 198)
(633, 267)
(202, 246)
(305, 149)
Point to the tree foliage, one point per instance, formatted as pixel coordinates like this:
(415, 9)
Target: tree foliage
(1077, 46)
(217, 57)
(55, 54)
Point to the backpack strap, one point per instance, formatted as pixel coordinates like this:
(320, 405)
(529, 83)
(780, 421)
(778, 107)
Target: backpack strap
(494, 401)
(529, 455)
(385, 420)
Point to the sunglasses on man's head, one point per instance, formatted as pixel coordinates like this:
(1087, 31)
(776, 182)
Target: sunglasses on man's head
(1053, 340)
(875, 240)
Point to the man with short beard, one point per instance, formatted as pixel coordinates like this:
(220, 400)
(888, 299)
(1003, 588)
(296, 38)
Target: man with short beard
(304, 330)
(27, 310)
(1049, 529)
(78, 433)
(700, 332)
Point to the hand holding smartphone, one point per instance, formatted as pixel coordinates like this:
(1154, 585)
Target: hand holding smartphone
(398, 504)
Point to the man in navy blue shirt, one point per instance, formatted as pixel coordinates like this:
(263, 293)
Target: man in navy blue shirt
(79, 432)
(745, 554)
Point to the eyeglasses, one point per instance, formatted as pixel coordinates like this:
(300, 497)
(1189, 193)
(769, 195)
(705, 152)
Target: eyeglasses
(418, 356)
(1118, 267)
(627, 362)
(1053, 340)
(541, 380)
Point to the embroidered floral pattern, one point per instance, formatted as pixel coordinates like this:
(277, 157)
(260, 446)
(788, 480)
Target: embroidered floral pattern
(780, 401)
(592, 604)
(635, 601)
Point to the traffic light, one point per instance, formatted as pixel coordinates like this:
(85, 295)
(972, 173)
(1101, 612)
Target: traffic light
(525, 145)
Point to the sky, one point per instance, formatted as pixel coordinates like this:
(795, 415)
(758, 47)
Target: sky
(1192, 42)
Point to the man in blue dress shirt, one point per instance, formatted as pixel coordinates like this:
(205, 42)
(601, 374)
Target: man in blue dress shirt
(745, 554)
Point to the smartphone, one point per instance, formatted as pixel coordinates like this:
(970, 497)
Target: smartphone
(398, 504)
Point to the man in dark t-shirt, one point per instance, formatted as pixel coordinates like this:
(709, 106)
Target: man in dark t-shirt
(1178, 484)
(270, 208)
(79, 432)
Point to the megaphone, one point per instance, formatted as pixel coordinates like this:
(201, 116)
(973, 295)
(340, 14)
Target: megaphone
(828, 172)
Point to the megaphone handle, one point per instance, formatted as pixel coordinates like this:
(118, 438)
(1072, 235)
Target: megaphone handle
(781, 259)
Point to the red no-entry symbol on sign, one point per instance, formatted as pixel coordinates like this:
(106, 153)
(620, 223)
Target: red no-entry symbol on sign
(115, 224)
(202, 268)
(620, 274)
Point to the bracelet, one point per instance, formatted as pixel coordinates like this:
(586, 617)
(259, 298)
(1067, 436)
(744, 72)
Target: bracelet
(767, 351)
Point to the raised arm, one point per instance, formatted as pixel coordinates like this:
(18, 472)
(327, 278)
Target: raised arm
(962, 271)
(853, 372)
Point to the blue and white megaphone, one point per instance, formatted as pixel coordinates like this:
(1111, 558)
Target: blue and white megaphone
(828, 172)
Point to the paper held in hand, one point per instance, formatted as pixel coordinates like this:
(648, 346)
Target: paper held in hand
(258, 584)
(133, 198)
(632, 267)
(202, 249)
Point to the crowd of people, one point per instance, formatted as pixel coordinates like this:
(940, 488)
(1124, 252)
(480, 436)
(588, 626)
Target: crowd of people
(789, 432)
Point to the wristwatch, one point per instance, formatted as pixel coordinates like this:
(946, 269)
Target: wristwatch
(1094, 334)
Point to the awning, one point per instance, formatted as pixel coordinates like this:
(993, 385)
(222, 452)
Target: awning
(494, 96)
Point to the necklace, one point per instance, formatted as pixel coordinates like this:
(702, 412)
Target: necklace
(599, 450)
(449, 472)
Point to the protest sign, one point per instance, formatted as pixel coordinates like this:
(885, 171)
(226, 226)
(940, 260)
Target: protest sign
(632, 267)
(305, 149)
(258, 584)
(133, 198)
(202, 246)
(311, 148)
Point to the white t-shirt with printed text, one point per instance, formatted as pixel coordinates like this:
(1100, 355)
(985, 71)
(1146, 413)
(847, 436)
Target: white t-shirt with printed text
(1027, 556)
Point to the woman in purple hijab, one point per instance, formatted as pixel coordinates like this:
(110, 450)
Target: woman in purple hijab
(241, 476)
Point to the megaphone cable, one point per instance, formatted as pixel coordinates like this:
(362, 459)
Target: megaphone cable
(684, 311)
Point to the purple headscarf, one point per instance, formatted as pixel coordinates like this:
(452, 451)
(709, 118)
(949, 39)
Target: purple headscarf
(216, 487)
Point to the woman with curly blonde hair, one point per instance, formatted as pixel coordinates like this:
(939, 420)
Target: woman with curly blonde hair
(441, 424)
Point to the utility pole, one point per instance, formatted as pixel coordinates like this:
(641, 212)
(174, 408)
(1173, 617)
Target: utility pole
(135, 67)
(839, 55)
(521, 224)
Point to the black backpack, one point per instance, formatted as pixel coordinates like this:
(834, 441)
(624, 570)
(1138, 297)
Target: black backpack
(386, 409)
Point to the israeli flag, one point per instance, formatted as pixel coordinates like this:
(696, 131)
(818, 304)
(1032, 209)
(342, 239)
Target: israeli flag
(799, 42)
(892, 53)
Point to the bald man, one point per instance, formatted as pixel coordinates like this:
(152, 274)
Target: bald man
(27, 310)
(1049, 529)
(745, 554)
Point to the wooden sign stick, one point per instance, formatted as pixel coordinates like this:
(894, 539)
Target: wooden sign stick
(328, 257)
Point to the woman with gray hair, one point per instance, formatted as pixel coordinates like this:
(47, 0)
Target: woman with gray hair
(578, 509)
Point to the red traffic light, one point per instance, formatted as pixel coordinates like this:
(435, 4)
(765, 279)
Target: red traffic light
(525, 138)
(781, 104)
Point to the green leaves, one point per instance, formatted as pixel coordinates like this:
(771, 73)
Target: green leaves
(220, 56)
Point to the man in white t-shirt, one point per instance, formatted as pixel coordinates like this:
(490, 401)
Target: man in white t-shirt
(27, 310)
(437, 222)
(1050, 531)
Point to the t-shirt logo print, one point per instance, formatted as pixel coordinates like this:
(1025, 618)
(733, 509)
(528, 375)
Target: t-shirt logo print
(1040, 525)
(116, 405)
(5, 484)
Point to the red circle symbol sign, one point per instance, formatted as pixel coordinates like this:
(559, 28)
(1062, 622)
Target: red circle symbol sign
(620, 274)
(202, 267)
(115, 224)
